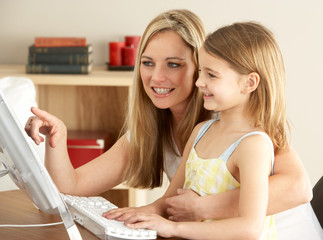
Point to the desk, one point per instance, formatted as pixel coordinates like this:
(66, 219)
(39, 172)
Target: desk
(16, 208)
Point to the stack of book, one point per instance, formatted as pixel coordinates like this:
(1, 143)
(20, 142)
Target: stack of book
(60, 55)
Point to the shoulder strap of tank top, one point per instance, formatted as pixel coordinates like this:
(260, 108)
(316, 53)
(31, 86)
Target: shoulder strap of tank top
(203, 129)
(228, 152)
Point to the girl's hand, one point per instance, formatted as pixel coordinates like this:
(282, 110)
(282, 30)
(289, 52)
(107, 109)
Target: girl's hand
(123, 214)
(164, 227)
(46, 124)
(184, 206)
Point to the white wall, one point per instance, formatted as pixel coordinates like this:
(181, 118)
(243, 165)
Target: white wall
(298, 26)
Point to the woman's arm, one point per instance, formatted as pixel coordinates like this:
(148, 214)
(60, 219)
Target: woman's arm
(289, 187)
(93, 178)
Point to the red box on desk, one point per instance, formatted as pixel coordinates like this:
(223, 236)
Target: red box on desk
(83, 146)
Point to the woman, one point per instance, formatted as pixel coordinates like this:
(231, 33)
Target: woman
(164, 108)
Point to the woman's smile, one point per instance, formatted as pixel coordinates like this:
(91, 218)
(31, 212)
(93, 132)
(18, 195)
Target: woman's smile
(162, 91)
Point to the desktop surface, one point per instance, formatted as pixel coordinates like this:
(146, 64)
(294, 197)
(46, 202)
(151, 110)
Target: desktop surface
(16, 208)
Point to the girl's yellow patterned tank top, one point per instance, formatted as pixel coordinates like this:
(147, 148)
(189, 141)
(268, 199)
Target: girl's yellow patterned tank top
(211, 176)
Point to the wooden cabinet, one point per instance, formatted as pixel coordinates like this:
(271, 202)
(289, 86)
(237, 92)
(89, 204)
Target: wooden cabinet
(97, 101)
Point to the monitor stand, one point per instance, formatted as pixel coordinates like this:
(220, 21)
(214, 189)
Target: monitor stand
(68, 221)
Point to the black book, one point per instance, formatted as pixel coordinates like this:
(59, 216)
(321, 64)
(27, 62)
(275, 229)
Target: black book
(66, 58)
(87, 49)
(54, 68)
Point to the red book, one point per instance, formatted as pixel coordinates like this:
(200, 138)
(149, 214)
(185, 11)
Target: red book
(60, 42)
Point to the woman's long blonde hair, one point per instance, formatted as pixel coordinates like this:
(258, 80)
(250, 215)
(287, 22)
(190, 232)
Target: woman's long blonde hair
(150, 128)
(250, 47)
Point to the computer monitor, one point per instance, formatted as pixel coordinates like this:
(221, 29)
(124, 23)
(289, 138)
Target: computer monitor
(25, 168)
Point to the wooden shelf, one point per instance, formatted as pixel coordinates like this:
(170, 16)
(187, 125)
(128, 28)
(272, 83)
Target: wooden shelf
(98, 77)
(95, 101)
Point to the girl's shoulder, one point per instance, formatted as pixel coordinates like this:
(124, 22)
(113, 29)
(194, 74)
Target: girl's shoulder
(195, 132)
(255, 151)
(258, 143)
(197, 128)
(257, 136)
(256, 139)
(201, 125)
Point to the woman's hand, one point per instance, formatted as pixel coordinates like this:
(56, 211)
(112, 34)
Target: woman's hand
(46, 124)
(162, 226)
(184, 206)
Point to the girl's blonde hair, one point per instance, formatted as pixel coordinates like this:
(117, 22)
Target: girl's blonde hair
(250, 47)
(150, 128)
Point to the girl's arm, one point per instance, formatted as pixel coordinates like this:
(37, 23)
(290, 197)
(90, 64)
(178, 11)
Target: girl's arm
(158, 207)
(253, 177)
(289, 187)
(93, 178)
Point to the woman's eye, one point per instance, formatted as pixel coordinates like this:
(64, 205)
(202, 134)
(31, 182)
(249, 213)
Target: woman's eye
(147, 63)
(173, 65)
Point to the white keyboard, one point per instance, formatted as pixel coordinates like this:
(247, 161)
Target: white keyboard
(87, 211)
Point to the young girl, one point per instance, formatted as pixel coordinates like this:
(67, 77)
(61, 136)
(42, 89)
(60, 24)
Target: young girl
(242, 78)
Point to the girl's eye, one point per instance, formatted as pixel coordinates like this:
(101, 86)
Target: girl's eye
(173, 65)
(211, 75)
(147, 63)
